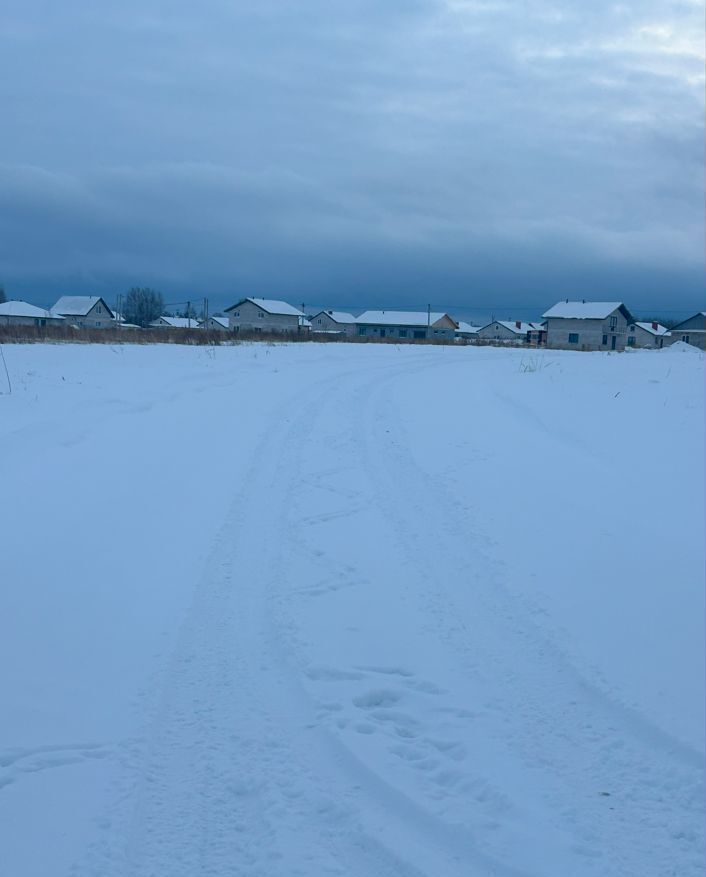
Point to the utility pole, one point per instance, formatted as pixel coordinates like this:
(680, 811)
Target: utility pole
(188, 314)
(428, 319)
(205, 313)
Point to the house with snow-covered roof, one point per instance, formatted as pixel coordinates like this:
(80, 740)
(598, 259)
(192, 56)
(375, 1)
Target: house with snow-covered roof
(167, 322)
(85, 311)
(467, 331)
(215, 324)
(407, 325)
(512, 330)
(337, 322)
(265, 315)
(691, 331)
(588, 325)
(21, 313)
(651, 334)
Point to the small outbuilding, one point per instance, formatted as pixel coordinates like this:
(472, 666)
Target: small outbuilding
(175, 323)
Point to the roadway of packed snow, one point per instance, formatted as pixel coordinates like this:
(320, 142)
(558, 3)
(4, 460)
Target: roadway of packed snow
(351, 610)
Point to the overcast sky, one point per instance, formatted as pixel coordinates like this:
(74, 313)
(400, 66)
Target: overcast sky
(368, 153)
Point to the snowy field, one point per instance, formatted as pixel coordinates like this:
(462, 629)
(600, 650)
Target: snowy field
(351, 610)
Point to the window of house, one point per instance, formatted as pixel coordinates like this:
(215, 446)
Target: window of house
(419, 333)
(573, 337)
(99, 310)
(613, 322)
(362, 330)
(685, 339)
(604, 342)
(319, 322)
(236, 314)
(98, 325)
(631, 340)
(261, 315)
(403, 333)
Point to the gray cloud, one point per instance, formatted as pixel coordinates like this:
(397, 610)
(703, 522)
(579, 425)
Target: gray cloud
(449, 150)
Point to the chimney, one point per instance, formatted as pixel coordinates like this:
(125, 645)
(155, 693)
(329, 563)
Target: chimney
(518, 324)
(655, 325)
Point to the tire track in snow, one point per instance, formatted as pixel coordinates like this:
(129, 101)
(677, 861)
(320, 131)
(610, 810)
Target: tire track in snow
(582, 742)
(241, 775)
(229, 781)
(443, 846)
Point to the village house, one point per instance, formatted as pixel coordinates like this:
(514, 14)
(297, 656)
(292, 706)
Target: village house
(166, 322)
(651, 334)
(265, 315)
(512, 330)
(20, 313)
(338, 322)
(691, 331)
(466, 331)
(409, 325)
(85, 311)
(215, 324)
(588, 325)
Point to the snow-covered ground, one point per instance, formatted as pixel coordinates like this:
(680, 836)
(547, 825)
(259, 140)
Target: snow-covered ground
(351, 610)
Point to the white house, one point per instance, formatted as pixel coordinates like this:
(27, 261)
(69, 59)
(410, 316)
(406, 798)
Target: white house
(175, 323)
(410, 325)
(338, 322)
(652, 334)
(85, 311)
(691, 331)
(265, 315)
(465, 330)
(20, 313)
(215, 324)
(588, 325)
(511, 330)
